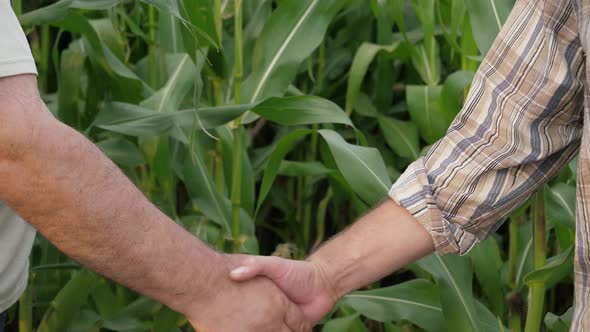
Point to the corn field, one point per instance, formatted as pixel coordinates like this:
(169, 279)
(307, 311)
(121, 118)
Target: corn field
(267, 126)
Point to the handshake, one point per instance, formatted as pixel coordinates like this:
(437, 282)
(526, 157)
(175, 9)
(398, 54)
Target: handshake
(268, 294)
(255, 293)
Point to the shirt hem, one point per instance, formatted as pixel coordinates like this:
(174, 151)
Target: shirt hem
(20, 289)
(17, 66)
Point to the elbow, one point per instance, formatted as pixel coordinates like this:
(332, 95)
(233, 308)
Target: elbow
(22, 127)
(24, 118)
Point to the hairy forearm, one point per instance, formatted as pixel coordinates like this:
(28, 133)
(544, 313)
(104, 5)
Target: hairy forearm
(380, 243)
(75, 196)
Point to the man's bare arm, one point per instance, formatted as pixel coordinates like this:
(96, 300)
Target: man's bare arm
(75, 196)
(381, 242)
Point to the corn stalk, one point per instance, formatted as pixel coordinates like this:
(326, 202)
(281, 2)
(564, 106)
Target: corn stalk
(537, 289)
(236, 191)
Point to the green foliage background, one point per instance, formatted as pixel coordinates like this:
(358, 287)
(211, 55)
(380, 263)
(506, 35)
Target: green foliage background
(270, 128)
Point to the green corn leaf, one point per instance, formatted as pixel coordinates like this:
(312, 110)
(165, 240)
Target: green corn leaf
(455, 23)
(173, 8)
(60, 9)
(129, 87)
(178, 85)
(525, 254)
(141, 307)
(360, 65)
(95, 4)
(364, 106)
(140, 121)
(170, 34)
(213, 204)
(68, 302)
(557, 268)
(72, 62)
(401, 136)
(416, 301)
(487, 18)
(283, 147)
(125, 79)
(109, 36)
(166, 320)
(167, 100)
(200, 15)
(564, 236)
(133, 120)
(426, 55)
(458, 12)
(428, 69)
(486, 263)
(104, 298)
(211, 117)
(259, 11)
(301, 168)
(295, 29)
(161, 166)
(168, 6)
(561, 201)
(385, 73)
(397, 14)
(300, 110)
(559, 323)
(425, 12)
(487, 321)
(201, 188)
(121, 151)
(453, 93)
(143, 121)
(384, 20)
(126, 324)
(342, 324)
(51, 13)
(362, 167)
(469, 49)
(454, 277)
(425, 110)
(77, 23)
(226, 136)
(87, 321)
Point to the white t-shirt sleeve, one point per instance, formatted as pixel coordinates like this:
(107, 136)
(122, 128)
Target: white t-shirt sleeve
(15, 54)
(16, 236)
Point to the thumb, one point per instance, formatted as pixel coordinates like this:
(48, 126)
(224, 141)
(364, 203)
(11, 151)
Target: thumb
(271, 267)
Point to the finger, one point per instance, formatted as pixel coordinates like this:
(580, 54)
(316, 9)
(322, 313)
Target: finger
(271, 267)
(295, 319)
(285, 328)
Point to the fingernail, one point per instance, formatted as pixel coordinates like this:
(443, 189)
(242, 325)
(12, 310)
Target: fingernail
(239, 271)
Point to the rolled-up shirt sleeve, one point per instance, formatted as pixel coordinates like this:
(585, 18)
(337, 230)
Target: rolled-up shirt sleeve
(521, 122)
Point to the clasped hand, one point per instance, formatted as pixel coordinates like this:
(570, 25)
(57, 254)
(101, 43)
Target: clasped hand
(266, 294)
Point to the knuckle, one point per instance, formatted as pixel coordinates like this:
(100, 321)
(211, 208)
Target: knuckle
(250, 261)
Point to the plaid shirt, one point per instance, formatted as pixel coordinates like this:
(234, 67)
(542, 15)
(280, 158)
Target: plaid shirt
(526, 116)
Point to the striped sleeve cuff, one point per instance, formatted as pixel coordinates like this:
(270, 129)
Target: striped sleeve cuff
(413, 192)
(20, 66)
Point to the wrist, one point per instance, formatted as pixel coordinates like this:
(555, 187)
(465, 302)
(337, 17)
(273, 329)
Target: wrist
(201, 293)
(329, 279)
